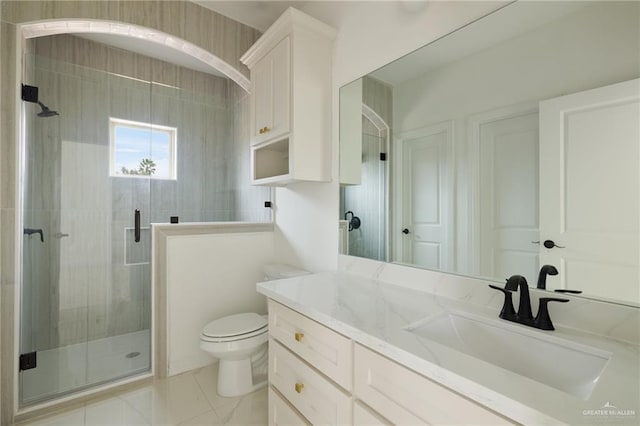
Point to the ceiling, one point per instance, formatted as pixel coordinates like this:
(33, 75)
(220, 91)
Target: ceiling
(262, 13)
(256, 14)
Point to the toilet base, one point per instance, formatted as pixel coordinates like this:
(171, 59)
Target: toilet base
(235, 378)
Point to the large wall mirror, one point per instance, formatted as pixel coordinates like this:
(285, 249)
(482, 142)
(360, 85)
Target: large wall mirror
(510, 146)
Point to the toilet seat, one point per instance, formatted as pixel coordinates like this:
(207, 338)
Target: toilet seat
(235, 327)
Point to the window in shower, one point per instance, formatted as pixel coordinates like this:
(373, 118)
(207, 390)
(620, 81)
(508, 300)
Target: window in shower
(142, 149)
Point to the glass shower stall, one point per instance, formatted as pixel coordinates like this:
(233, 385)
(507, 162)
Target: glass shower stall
(86, 293)
(116, 140)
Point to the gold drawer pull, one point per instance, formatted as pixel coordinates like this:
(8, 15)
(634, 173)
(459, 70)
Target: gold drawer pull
(266, 129)
(261, 130)
(299, 336)
(299, 387)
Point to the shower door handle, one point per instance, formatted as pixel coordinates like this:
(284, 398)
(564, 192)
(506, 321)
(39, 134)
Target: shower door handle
(136, 221)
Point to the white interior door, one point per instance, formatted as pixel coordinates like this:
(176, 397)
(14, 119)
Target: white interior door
(427, 194)
(508, 196)
(589, 189)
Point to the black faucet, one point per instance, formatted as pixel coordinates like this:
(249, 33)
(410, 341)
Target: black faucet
(542, 277)
(542, 280)
(518, 282)
(524, 315)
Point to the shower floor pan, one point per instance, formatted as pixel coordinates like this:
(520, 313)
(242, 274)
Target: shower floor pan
(74, 367)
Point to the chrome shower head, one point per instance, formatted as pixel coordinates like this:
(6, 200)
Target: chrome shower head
(46, 112)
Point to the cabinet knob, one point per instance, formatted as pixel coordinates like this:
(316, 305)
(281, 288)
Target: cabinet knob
(298, 336)
(299, 387)
(266, 129)
(261, 130)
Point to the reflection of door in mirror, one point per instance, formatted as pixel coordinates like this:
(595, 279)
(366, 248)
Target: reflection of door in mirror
(590, 189)
(504, 143)
(424, 180)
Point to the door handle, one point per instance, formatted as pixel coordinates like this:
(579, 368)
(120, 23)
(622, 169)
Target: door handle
(136, 221)
(548, 244)
(405, 231)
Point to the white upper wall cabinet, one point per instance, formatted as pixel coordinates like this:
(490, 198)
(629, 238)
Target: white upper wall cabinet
(270, 93)
(291, 101)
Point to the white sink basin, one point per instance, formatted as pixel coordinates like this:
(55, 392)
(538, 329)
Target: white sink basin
(567, 366)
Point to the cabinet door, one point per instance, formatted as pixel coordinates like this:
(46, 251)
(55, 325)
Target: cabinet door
(271, 94)
(318, 345)
(405, 397)
(309, 392)
(281, 413)
(362, 416)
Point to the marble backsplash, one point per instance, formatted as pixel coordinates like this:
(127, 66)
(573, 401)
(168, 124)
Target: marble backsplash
(606, 319)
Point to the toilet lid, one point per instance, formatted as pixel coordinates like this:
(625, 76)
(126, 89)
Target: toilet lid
(235, 325)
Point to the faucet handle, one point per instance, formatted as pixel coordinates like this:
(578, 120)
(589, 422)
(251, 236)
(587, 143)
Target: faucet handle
(543, 320)
(508, 311)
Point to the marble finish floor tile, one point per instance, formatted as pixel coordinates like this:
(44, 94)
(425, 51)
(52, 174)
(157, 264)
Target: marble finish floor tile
(188, 399)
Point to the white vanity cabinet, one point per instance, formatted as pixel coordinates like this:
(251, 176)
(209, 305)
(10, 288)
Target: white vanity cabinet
(318, 376)
(310, 367)
(405, 397)
(291, 101)
(282, 413)
(364, 416)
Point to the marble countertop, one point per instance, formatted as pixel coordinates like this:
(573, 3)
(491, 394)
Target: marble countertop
(375, 314)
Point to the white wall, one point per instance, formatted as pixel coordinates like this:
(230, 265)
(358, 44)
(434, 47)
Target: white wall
(555, 59)
(370, 34)
(207, 279)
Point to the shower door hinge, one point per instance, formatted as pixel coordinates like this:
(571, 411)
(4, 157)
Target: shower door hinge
(383, 156)
(29, 93)
(28, 361)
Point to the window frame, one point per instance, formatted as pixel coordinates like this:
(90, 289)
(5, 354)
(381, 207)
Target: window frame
(172, 132)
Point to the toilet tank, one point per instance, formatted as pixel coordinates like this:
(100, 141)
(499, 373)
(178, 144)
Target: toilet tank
(280, 271)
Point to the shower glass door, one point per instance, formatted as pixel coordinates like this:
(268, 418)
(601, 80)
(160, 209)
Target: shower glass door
(88, 163)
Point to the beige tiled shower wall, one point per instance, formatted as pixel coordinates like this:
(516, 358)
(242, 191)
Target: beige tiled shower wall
(88, 291)
(213, 32)
(379, 97)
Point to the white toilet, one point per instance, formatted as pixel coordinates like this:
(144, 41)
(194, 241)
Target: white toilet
(240, 343)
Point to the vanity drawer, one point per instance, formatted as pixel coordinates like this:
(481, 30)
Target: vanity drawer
(281, 413)
(405, 397)
(363, 416)
(321, 347)
(315, 397)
